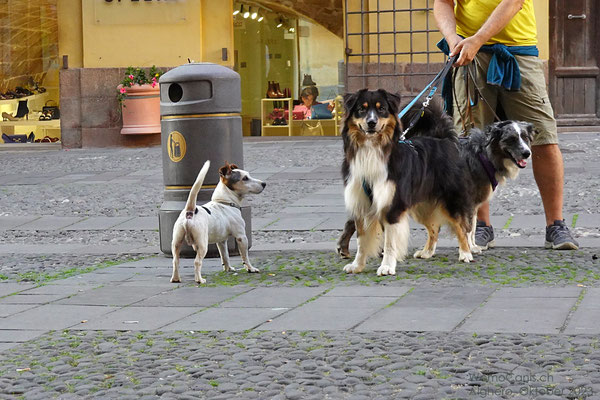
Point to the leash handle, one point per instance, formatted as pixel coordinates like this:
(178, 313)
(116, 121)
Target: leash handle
(435, 83)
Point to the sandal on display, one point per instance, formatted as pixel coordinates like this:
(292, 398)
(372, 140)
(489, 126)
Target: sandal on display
(14, 94)
(38, 88)
(24, 91)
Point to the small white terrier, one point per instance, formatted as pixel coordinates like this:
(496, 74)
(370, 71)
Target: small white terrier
(215, 221)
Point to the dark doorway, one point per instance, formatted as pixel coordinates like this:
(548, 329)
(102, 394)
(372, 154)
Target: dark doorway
(574, 61)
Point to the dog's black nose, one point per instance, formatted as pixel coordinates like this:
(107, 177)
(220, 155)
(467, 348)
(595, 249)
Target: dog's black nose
(371, 124)
(526, 154)
(263, 184)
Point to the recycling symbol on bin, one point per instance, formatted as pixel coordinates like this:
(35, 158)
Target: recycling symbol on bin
(176, 146)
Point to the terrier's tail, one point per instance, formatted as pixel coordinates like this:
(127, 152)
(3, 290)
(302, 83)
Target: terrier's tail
(190, 206)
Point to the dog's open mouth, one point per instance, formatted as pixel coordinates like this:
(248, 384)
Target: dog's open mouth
(522, 163)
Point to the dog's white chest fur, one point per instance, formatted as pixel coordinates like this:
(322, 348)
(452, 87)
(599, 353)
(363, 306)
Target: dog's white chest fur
(368, 168)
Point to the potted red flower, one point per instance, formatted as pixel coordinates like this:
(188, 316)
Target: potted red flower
(139, 95)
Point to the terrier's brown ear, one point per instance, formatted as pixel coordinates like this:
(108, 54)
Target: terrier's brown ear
(233, 166)
(225, 170)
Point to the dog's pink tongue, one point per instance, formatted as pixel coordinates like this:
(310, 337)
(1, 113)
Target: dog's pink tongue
(522, 163)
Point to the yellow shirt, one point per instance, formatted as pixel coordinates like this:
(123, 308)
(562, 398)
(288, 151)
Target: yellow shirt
(520, 31)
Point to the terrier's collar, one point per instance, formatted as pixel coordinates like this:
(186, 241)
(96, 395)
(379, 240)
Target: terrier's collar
(228, 203)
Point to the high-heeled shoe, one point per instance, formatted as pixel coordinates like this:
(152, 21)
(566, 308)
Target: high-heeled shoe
(22, 109)
(8, 117)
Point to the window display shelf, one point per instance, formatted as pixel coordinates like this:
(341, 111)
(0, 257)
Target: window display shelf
(30, 98)
(53, 123)
(328, 127)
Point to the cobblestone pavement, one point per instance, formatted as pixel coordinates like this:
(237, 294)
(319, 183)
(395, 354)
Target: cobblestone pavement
(361, 362)
(301, 365)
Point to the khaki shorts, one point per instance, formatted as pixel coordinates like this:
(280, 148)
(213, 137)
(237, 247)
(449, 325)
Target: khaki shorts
(530, 103)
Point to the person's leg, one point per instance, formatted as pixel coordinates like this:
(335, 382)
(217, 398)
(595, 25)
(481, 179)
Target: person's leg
(532, 104)
(547, 163)
(483, 213)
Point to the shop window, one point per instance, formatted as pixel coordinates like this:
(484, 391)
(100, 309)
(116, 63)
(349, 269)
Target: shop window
(29, 100)
(277, 56)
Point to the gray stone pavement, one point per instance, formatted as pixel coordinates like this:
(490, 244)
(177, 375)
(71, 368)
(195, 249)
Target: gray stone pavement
(82, 283)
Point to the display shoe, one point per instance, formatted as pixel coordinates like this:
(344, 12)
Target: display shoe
(22, 90)
(271, 93)
(30, 137)
(8, 117)
(22, 109)
(278, 90)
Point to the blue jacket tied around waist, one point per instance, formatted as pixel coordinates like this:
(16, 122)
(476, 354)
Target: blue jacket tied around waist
(503, 69)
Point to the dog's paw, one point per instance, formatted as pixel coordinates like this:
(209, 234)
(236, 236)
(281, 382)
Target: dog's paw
(228, 268)
(343, 253)
(465, 256)
(423, 254)
(476, 249)
(175, 280)
(201, 280)
(353, 268)
(384, 270)
(251, 269)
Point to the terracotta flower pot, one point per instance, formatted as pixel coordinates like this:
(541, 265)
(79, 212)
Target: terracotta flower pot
(141, 110)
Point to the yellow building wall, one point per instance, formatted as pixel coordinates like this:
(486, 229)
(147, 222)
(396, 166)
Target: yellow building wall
(384, 22)
(70, 32)
(97, 33)
(120, 34)
(217, 31)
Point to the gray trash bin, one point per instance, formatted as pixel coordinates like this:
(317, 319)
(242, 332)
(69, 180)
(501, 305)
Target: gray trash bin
(200, 105)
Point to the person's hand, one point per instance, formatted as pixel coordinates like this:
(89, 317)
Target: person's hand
(468, 49)
(453, 41)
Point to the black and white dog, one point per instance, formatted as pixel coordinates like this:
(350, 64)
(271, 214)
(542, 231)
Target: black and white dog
(487, 158)
(215, 221)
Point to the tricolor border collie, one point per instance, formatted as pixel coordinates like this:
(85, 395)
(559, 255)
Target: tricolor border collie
(427, 176)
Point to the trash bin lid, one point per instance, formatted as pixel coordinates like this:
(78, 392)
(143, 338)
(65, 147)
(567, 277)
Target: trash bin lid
(200, 88)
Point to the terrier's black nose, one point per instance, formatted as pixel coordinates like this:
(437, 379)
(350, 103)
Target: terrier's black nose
(263, 184)
(371, 124)
(526, 154)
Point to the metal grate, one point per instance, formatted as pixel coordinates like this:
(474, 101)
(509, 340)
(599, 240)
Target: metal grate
(391, 44)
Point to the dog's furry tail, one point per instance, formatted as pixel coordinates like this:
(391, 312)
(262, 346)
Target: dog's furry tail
(190, 206)
(433, 123)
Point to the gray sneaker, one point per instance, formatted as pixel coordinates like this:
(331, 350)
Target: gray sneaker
(558, 237)
(484, 236)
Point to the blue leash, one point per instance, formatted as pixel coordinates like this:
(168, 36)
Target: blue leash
(434, 84)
